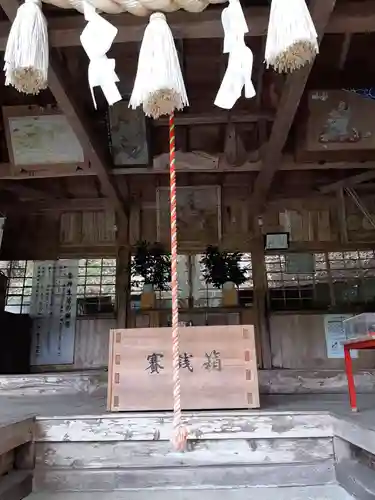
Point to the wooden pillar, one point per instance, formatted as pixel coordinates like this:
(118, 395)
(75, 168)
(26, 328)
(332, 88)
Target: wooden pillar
(260, 295)
(123, 274)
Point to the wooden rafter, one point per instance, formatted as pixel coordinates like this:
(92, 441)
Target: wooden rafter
(185, 162)
(77, 119)
(353, 180)
(26, 191)
(289, 102)
(352, 17)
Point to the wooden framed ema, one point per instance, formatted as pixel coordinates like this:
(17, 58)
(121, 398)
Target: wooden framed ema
(218, 368)
(38, 137)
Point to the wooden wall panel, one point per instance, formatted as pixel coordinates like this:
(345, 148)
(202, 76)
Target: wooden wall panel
(30, 237)
(91, 342)
(359, 227)
(87, 228)
(298, 342)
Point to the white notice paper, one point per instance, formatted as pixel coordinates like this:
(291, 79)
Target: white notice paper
(335, 335)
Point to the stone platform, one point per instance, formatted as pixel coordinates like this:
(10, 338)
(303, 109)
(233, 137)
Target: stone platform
(304, 444)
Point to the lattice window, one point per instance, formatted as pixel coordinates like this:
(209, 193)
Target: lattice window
(96, 290)
(19, 289)
(352, 276)
(321, 280)
(297, 281)
(206, 295)
(193, 290)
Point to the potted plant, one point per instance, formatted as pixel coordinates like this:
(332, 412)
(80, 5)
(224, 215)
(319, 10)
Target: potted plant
(223, 270)
(153, 264)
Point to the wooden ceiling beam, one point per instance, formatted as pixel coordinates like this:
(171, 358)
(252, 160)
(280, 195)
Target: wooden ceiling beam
(352, 17)
(185, 162)
(353, 180)
(78, 121)
(286, 112)
(217, 118)
(26, 191)
(57, 205)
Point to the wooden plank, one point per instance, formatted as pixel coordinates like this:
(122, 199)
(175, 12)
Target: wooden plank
(352, 17)
(313, 381)
(15, 434)
(354, 433)
(300, 343)
(200, 477)
(91, 342)
(16, 485)
(6, 462)
(213, 357)
(355, 477)
(289, 103)
(200, 453)
(185, 162)
(353, 180)
(77, 119)
(318, 492)
(217, 425)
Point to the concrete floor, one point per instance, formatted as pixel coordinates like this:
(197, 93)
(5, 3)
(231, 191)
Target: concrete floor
(329, 492)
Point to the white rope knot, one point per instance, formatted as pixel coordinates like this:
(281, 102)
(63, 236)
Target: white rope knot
(240, 63)
(102, 74)
(96, 39)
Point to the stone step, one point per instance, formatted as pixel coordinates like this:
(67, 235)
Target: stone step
(122, 454)
(309, 474)
(328, 492)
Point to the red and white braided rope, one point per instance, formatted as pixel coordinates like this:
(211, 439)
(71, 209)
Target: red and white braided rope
(179, 432)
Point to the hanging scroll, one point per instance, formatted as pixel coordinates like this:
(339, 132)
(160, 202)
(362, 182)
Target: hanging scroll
(53, 309)
(218, 368)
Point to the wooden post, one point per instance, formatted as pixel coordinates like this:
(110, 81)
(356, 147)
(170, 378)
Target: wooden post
(260, 295)
(341, 212)
(123, 274)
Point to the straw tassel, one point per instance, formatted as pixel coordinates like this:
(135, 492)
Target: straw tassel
(159, 86)
(292, 40)
(26, 53)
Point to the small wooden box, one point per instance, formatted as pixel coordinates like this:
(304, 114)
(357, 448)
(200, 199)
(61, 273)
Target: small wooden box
(218, 368)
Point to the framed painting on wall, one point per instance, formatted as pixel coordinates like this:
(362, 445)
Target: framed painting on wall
(198, 214)
(128, 135)
(38, 137)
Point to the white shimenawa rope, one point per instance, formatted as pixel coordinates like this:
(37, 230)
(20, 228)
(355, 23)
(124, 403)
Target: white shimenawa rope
(27, 51)
(138, 7)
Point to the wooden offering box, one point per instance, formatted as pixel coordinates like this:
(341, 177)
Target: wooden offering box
(218, 368)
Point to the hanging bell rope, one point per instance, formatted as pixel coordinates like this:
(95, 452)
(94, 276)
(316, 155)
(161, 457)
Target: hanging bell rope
(159, 87)
(26, 53)
(292, 40)
(179, 438)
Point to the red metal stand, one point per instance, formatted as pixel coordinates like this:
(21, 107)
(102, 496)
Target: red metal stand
(367, 342)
